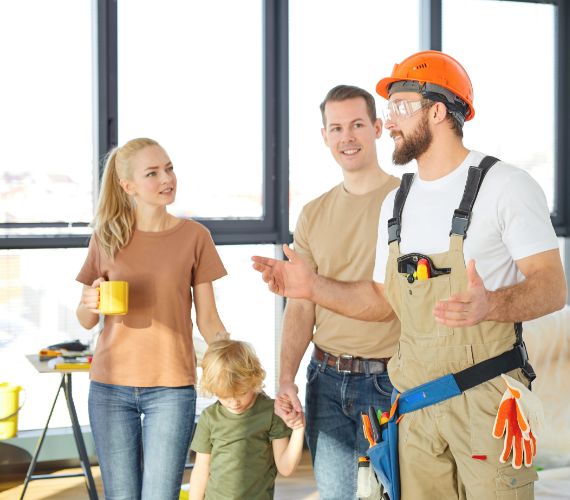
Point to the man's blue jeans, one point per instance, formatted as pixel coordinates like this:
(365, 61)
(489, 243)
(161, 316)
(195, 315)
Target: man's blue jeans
(141, 458)
(334, 402)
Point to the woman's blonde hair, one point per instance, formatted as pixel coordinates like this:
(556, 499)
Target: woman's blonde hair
(231, 367)
(115, 214)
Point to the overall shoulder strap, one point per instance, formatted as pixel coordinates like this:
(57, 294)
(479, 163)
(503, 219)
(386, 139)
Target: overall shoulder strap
(460, 223)
(395, 223)
(462, 215)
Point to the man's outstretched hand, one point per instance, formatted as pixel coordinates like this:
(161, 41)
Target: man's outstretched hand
(293, 278)
(466, 308)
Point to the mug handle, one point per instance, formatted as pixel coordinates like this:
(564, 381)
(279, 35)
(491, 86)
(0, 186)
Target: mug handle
(98, 288)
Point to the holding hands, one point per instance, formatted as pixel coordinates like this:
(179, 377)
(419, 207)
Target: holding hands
(288, 406)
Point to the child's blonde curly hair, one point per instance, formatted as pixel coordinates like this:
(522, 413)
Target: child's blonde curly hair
(231, 367)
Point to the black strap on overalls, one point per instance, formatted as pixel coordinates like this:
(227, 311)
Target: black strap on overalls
(518, 356)
(461, 216)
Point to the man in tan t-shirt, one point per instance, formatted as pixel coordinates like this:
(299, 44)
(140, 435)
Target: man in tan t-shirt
(336, 234)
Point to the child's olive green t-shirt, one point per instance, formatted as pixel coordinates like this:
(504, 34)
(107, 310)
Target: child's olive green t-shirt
(242, 464)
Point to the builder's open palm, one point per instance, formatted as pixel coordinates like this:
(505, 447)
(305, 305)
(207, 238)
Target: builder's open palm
(293, 278)
(466, 308)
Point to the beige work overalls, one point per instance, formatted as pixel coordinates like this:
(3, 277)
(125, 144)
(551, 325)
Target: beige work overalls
(446, 451)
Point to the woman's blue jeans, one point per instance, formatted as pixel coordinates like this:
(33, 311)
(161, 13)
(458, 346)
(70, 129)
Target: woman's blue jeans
(334, 402)
(142, 435)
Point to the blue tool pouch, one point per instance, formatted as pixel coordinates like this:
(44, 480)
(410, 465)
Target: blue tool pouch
(384, 457)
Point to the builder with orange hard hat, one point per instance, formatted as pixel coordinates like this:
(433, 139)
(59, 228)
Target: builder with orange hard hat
(462, 411)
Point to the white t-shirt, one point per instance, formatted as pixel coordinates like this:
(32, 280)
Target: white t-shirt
(510, 221)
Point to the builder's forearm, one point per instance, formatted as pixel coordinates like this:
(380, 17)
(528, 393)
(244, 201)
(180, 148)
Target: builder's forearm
(364, 300)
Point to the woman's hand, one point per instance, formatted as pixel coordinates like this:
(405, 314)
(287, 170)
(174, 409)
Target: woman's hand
(88, 309)
(90, 296)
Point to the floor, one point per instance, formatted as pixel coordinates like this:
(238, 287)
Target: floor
(299, 486)
(554, 484)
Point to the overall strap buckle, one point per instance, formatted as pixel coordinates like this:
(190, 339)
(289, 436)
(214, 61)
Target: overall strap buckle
(460, 222)
(393, 230)
(475, 176)
(395, 222)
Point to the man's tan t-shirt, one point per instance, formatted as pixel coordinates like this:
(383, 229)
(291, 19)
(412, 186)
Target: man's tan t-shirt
(152, 344)
(336, 233)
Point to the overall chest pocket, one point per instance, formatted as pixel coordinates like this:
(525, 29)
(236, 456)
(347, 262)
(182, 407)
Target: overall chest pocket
(417, 302)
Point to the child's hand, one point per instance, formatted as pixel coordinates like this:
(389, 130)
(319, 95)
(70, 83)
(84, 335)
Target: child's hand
(296, 421)
(287, 400)
(283, 403)
(292, 418)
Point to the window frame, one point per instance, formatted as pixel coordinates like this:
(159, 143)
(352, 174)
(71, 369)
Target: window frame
(273, 227)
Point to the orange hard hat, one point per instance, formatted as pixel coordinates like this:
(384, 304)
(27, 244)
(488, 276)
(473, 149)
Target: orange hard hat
(433, 73)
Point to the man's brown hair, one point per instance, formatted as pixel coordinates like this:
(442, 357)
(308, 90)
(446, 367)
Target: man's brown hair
(344, 92)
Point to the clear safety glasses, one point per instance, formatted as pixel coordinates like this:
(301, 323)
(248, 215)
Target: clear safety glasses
(398, 110)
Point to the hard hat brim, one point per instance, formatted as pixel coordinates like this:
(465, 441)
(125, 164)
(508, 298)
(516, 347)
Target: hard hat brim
(383, 86)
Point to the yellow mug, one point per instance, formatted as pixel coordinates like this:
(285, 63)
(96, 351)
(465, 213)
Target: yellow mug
(113, 297)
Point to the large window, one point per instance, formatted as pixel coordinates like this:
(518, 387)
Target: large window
(46, 119)
(46, 186)
(190, 76)
(331, 45)
(38, 298)
(512, 68)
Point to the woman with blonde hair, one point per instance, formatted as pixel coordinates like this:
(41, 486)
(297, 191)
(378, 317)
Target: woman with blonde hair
(142, 398)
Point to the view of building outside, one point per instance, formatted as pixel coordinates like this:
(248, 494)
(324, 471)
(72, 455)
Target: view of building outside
(46, 119)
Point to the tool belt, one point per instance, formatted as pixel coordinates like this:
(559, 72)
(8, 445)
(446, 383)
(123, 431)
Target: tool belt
(384, 455)
(454, 384)
(348, 364)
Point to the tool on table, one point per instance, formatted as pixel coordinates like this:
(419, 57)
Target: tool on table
(61, 363)
(74, 345)
(47, 354)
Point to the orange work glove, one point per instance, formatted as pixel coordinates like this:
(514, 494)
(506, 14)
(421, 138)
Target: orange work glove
(512, 421)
